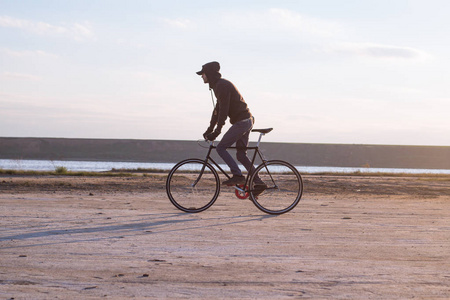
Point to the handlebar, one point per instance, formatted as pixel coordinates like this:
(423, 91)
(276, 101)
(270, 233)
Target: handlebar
(261, 133)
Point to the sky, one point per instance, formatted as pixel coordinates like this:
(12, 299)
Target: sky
(322, 71)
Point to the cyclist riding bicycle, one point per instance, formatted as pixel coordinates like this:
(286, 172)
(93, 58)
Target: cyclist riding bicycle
(230, 103)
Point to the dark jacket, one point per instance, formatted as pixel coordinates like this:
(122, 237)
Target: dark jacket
(230, 102)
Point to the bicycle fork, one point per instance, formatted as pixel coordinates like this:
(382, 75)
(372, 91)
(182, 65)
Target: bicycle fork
(199, 175)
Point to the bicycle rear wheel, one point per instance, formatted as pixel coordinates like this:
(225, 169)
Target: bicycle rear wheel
(193, 185)
(284, 187)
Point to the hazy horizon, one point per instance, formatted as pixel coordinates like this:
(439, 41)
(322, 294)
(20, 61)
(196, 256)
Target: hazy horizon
(326, 72)
(253, 139)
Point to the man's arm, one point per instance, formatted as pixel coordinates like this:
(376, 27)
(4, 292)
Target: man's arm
(212, 123)
(214, 118)
(223, 101)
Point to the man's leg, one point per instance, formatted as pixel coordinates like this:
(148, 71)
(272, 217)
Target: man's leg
(230, 137)
(242, 157)
(241, 153)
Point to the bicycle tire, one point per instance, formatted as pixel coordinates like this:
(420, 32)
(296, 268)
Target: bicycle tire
(191, 190)
(284, 187)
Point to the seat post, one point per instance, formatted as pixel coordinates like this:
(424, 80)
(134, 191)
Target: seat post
(261, 133)
(259, 140)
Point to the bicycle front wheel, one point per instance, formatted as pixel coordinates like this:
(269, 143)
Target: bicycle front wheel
(284, 187)
(193, 185)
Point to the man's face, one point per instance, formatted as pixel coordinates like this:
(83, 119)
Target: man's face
(205, 79)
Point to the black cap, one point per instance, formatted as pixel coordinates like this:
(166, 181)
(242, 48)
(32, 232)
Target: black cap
(213, 66)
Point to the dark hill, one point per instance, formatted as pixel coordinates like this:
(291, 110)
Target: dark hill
(333, 155)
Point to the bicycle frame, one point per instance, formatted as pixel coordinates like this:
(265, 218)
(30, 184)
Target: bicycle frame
(210, 159)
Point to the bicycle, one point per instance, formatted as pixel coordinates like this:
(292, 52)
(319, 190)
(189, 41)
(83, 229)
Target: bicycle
(193, 184)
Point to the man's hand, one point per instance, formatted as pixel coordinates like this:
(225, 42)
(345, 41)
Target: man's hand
(208, 131)
(212, 136)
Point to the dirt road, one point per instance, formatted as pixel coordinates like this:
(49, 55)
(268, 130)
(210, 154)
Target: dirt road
(119, 238)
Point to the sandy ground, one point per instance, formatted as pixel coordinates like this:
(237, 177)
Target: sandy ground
(119, 238)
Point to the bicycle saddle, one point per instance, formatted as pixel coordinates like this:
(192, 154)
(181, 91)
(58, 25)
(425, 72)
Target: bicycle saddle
(264, 131)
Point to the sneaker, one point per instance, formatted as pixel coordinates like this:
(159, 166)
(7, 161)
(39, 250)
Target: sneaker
(259, 188)
(236, 179)
(258, 181)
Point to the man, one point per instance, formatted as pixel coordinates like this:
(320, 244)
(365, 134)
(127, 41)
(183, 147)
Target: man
(229, 104)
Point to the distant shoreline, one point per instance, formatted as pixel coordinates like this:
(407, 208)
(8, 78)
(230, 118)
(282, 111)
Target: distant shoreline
(34, 167)
(167, 151)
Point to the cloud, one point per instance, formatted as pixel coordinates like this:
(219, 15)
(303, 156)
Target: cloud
(379, 51)
(293, 30)
(81, 31)
(27, 53)
(76, 31)
(286, 19)
(178, 23)
(21, 76)
(281, 21)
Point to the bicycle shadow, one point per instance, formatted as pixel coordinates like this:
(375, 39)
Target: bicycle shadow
(161, 223)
